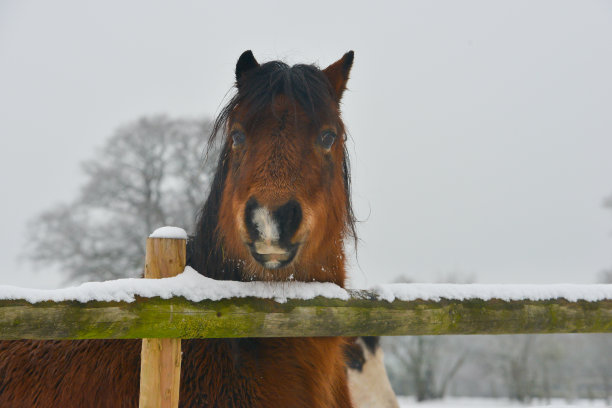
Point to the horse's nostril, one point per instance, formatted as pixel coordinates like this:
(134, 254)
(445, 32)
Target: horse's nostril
(289, 217)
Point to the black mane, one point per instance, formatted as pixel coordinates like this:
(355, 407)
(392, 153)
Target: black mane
(308, 87)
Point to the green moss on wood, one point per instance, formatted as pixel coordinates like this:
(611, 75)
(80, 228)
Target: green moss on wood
(249, 317)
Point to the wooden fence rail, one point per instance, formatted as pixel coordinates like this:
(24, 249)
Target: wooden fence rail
(253, 317)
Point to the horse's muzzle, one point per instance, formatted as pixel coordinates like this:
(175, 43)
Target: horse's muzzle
(272, 257)
(271, 231)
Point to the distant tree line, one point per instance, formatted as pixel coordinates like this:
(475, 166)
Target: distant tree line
(523, 368)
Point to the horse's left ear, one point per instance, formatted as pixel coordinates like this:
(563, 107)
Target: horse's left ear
(246, 63)
(338, 73)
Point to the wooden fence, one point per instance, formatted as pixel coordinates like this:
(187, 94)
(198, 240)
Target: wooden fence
(161, 323)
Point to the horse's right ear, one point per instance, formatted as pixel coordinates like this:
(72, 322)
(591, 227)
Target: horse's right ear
(245, 63)
(338, 73)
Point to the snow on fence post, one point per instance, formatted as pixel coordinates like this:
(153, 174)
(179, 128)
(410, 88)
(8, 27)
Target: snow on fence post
(160, 361)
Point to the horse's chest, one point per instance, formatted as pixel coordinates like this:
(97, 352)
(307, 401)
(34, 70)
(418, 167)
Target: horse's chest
(261, 372)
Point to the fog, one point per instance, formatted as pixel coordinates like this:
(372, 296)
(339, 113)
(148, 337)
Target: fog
(480, 131)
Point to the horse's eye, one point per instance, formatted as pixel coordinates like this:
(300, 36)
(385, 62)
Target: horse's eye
(238, 137)
(326, 139)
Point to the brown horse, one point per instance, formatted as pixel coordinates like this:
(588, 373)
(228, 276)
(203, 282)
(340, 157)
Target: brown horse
(279, 209)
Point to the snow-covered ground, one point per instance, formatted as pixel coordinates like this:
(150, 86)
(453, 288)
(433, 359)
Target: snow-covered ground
(406, 402)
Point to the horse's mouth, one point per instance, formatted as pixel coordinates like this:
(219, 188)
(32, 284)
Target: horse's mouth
(271, 255)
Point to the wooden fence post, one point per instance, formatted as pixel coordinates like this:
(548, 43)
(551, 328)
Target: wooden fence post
(160, 361)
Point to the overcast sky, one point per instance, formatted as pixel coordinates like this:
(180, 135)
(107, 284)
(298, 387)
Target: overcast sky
(482, 131)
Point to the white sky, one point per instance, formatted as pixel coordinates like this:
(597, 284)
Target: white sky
(482, 130)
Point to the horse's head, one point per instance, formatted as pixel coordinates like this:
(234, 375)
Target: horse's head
(285, 206)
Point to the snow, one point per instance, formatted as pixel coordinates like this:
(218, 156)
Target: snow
(169, 232)
(407, 402)
(195, 287)
(189, 284)
(430, 291)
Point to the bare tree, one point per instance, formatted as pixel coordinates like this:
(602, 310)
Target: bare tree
(429, 363)
(150, 173)
(605, 276)
(600, 366)
(520, 375)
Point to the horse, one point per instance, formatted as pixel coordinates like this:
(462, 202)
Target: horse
(279, 209)
(368, 381)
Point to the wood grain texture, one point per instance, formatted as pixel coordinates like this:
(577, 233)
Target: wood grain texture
(160, 359)
(251, 317)
(165, 257)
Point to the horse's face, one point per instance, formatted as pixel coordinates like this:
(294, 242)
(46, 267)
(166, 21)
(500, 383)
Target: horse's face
(284, 184)
(284, 199)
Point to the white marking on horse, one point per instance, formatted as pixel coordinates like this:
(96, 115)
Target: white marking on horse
(370, 387)
(268, 230)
